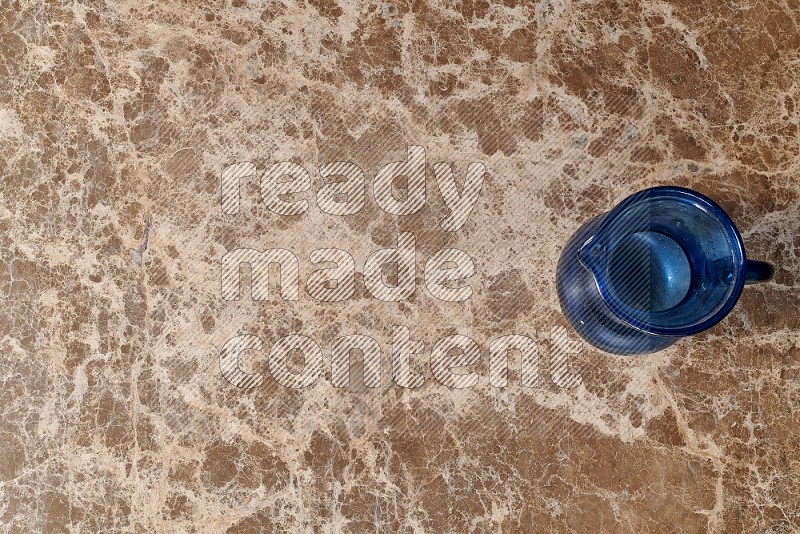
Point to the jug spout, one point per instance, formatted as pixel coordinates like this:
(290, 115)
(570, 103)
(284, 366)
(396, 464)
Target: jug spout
(592, 255)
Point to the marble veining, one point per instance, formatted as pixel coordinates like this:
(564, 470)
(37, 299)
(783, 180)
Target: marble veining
(116, 122)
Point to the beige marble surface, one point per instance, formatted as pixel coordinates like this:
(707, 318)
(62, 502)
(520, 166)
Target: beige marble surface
(116, 120)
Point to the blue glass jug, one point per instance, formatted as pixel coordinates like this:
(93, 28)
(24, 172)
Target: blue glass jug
(665, 263)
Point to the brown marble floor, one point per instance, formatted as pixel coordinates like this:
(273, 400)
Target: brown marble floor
(116, 122)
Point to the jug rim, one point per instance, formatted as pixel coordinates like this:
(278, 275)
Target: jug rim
(735, 238)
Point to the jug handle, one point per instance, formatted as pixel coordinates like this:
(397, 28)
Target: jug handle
(758, 271)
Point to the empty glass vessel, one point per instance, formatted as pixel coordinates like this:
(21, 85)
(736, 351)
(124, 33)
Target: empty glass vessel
(665, 263)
